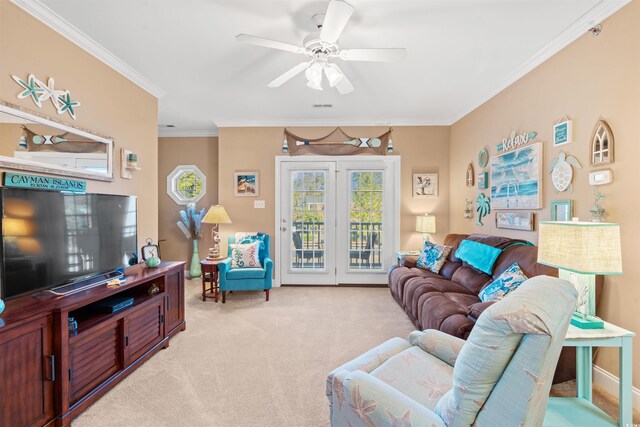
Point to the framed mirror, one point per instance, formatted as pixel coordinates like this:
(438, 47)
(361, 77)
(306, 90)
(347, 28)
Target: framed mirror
(35, 143)
(561, 210)
(186, 184)
(601, 144)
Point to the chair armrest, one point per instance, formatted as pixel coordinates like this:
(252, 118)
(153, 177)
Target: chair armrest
(224, 267)
(369, 361)
(443, 346)
(409, 261)
(268, 265)
(382, 404)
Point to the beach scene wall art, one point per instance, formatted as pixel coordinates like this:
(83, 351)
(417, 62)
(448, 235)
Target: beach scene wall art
(516, 178)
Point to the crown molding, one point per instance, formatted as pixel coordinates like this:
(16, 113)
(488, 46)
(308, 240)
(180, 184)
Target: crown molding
(329, 122)
(175, 133)
(57, 23)
(595, 15)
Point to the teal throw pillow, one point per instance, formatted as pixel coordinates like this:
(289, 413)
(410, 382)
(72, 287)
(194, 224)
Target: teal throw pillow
(509, 280)
(432, 257)
(478, 255)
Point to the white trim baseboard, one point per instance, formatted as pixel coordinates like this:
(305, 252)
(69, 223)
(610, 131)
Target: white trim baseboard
(60, 25)
(611, 384)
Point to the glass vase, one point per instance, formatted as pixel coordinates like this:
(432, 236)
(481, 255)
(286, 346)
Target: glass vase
(195, 270)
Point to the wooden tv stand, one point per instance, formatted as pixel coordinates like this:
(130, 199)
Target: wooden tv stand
(48, 375)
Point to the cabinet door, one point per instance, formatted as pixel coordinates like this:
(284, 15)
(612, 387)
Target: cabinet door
(143, 329)
(94, 356)
(174, 288)
(26, 374)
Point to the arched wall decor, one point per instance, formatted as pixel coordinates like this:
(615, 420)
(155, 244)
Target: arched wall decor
(337, 143)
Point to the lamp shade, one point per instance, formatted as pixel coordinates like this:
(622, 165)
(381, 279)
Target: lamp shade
(581, 247)
(426, 224)
(217, 215)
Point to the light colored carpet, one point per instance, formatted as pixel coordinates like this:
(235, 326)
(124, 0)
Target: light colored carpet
(252, 363)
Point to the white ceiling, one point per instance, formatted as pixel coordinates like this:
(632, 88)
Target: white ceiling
(460, 53)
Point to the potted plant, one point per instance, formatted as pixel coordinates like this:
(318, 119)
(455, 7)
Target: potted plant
(191, 225)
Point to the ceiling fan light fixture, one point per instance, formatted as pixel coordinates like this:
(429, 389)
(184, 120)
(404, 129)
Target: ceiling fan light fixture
(334, 74)
(314, 76)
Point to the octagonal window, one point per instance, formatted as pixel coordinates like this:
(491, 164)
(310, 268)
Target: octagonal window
(186, 184)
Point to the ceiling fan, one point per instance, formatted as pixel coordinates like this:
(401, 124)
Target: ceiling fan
(320, 47)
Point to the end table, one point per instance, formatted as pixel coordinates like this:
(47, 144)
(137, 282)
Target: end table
(210, 274)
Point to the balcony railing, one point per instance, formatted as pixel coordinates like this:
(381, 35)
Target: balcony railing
(365, 245)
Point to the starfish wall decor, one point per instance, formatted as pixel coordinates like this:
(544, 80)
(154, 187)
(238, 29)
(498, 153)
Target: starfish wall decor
(38, 92)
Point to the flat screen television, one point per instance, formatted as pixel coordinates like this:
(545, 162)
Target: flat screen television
(51, 239)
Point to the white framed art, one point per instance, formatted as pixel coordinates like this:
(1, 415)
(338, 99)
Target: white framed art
(425, 185)
(246, 184)
(516, 179)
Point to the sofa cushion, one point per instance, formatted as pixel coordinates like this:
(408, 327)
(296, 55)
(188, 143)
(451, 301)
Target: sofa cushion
(509, 280)
(245, 273)
(432, 257)
(478, 255)
(417, 374)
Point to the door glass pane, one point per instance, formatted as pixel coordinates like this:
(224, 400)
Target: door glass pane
(365, 220)
(307, 228)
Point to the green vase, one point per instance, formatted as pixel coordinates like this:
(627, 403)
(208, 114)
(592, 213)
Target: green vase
(195, 270)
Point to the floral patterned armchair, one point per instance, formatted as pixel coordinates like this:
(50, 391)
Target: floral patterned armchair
(501, 376)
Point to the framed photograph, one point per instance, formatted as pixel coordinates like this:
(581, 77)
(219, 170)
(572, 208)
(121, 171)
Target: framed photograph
(516, 179)
(562, 133)
(246, 184)
(483, 180)
(515, 220)
(425, 185)
(561, 210)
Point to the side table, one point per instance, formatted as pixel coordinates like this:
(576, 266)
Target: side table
(210, 274)
(579, 410)
(402, 254)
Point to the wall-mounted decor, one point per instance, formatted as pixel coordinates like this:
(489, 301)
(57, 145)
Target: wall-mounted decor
(56, 148)
(425, 185)
(483, 158)
(470, 178)
(467, 208)
(561, 171)
(337, 143)
(516, 179)
(597, 211)
(601, 177)
(246, 184)
(483, 180)
(561, 210)
(39, 92)
(516, 141)
(186, 184)
(483, 207)
(515, 220)
(562, 132)
(601, 144)
(128, 163)
(43, 182)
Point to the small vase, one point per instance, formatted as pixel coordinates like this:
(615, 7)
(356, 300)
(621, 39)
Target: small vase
(195, 270)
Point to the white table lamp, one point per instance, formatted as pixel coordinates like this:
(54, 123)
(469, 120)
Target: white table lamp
(580, 250)
(426, 224)
(216, 215)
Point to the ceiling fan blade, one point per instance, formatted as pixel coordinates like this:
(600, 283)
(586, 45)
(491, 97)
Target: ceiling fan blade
(288, 75)
(376, 55)
(344, 86)
(273, 44)
(338, 14)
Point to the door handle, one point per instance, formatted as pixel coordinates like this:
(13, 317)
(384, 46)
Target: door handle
(283, 228)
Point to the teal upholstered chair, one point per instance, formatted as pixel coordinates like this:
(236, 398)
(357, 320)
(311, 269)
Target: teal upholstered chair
(246, 279)
(500, 376)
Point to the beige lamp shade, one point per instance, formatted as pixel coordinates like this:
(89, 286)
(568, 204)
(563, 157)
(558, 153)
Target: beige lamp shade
(581, 247)
(216, 215)
(426, 224)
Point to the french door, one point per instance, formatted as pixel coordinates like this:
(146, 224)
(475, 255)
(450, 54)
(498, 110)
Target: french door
(338, 219)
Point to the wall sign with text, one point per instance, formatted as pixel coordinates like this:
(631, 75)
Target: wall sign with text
(43, 182)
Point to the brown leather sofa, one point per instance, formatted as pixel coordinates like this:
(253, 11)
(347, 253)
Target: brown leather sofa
(449, 301)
